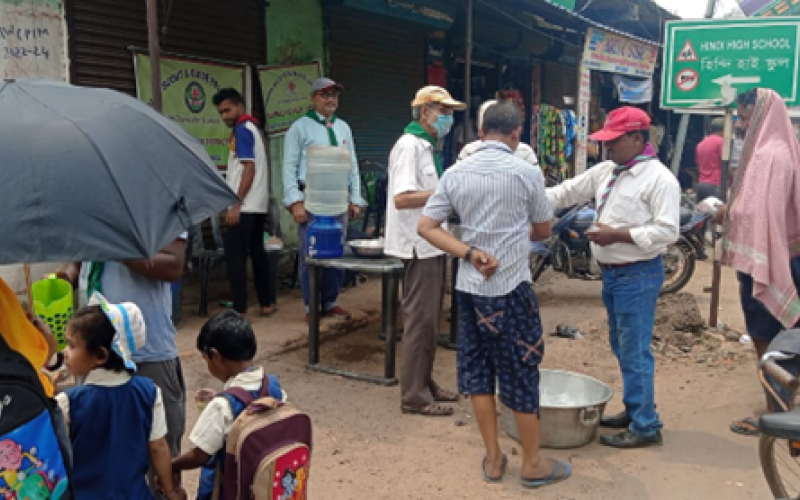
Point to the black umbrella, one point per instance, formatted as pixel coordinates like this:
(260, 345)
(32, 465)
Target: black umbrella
(93, 174)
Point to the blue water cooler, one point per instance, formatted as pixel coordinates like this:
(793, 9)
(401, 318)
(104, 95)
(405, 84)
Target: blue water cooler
(325, 238)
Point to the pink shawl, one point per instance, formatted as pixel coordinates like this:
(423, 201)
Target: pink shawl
(762, 230)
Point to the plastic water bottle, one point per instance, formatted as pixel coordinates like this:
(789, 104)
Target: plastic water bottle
(326, 196)
(327, 180)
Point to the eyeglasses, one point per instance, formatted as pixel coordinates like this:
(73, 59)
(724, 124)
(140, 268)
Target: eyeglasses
(328, 95)
(442, 110)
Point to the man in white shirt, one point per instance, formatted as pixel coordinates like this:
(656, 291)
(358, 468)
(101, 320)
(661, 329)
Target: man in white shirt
(247, 177)
(638, 213)
(414, 172)
(523, 151)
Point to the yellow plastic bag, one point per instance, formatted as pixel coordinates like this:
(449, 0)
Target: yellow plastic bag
(21, 335)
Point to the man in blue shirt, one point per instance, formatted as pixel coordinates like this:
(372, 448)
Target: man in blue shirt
(321, 127)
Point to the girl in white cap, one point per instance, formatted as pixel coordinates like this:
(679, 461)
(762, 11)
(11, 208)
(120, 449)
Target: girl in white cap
(116, 419)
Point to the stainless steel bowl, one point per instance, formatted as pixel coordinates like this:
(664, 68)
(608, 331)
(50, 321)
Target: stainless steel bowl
(572, 405)
(367, 248)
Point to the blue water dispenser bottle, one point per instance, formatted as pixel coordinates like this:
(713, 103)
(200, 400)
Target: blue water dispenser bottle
(326, 198)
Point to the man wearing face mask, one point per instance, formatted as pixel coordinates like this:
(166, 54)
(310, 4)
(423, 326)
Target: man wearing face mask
(414, 171)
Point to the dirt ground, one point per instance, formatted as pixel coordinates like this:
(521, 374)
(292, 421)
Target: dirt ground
(364, 447)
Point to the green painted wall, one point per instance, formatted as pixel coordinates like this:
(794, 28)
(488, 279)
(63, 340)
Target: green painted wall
(294, 35)
(294, 31)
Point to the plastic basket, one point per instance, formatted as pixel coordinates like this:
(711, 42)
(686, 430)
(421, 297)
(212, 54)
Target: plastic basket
(52, 299)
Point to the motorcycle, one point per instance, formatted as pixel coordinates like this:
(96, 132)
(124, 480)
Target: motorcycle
(568, 250)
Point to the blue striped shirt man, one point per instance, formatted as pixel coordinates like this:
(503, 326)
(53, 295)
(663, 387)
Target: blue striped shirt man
(498, 197)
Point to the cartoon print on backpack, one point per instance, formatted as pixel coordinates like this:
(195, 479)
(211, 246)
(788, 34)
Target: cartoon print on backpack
(290, 475)
(23, 474)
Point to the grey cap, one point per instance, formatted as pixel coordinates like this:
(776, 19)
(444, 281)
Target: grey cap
(324, 83)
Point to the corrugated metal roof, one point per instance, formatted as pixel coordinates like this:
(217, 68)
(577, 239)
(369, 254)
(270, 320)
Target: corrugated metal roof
(547, 5)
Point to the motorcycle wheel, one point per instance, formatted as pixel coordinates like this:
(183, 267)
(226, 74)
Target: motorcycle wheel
(780, 468)
(679, 263)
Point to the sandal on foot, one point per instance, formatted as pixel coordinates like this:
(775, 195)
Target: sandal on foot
(559, 472)
(746, 427)
(445, 396)
(270, 312)
(498, 479)
(432, 410)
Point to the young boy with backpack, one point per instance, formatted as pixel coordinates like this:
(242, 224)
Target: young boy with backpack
(247, 441)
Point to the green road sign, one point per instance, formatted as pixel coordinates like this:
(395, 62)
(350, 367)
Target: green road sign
(706, 63)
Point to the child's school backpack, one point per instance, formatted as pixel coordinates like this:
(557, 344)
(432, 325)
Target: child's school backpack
(268, 450)
(35, 453)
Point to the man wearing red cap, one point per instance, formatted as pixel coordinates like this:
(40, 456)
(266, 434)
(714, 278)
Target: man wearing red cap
(638, 211)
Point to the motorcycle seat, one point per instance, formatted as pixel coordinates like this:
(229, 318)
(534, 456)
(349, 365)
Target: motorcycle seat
(782, 425)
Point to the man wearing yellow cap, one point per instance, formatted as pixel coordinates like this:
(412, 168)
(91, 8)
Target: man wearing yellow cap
(414, 171)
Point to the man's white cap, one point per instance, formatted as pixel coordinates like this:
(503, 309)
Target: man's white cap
(482, 111)
(436, 95)
(129, 324)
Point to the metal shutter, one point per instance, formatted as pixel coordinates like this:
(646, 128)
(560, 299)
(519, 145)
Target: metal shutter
(381, 62)
(101, 32)
(558, 80)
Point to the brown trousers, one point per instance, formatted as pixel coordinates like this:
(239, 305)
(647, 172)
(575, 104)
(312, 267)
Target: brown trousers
(423, 295)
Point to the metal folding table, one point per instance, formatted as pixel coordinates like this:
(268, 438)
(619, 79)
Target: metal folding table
(391, 271)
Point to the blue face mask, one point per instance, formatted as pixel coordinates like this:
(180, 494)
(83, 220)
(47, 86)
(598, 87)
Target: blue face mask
(443, 124)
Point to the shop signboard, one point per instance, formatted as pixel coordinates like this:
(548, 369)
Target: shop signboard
(619, 54)
(706, 63)
(770, 8)
(287, 93)
(187, 88)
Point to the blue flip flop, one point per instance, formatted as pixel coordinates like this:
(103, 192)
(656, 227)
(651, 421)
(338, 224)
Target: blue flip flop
(499, 479)
(560, 472)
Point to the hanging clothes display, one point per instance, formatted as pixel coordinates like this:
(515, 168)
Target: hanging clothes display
(552, 142)
(569, 121)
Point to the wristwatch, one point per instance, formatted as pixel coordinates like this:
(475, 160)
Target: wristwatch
(468, 255)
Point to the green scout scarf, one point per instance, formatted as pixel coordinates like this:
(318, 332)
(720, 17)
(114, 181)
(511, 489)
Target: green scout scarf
(327, 124)
(416, 129)
(94, 280)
